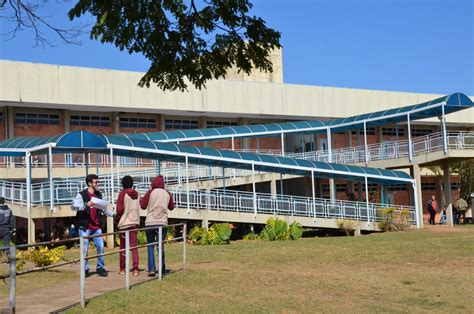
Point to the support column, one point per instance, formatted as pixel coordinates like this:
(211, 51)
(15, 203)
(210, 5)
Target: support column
(31, 224)
(273, 188)
(205, 213)
(254, 191)
(383, 192)
(67, 120)
(366, 145)
(50, 178)
(447, 195)
(445, 135)
(416, 174)
(410, 144)
(332, 183)
(115, 122)
(282, 144)
(110, 220)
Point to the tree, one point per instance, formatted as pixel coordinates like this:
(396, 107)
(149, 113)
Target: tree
(183, 40)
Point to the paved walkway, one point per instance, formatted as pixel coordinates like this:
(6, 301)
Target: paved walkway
(57, 297)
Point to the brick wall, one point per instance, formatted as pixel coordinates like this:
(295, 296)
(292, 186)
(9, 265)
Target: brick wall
(23, 129)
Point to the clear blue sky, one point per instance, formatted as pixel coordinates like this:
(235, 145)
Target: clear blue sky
(401, 45)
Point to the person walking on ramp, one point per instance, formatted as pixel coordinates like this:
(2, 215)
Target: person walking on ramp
(156, 201)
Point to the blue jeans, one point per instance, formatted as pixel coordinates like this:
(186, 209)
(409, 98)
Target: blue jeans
(99, 244)
(151, 237)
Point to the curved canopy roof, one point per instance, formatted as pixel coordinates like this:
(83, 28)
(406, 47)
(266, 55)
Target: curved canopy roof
(430, 109)
(83, 141)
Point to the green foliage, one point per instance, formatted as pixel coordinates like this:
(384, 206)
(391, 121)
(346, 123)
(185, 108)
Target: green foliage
(295, 230)
(392, 219)
(348, 226)
(250, 236)
(183, 41)
(214, 235)
(277, 230)
(42, 256)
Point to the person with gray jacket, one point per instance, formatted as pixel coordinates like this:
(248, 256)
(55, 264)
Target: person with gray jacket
(157, 201)
(7, 224)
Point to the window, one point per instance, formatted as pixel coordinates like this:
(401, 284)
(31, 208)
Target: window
(428, 186)
(392, 132)
(370, 131)
(36, 118)
(90, 120)
(454, 185)
(325, 188)
(341, 187)
(372, 187)
(181, 124)
(421, 132)
(397, 187)
(126, 122)
(1, 117)
(220, 124)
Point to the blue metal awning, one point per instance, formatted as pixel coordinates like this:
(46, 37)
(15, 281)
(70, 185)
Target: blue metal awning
(83, 141)
(450, 103)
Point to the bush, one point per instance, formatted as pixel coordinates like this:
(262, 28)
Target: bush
(348, 226)
(393, 220)
(250, 236)
(295, 230)
(214, 235)
(277, 230)
(43, 256)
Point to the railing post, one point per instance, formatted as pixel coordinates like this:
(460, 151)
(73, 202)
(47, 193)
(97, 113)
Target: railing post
(410, 143)
(254, 192)
(184, 244)
(82, 267)
(12, 297)
(443, 123)
(367, 197)
(187, 184)
(127, 259)
(160, 253)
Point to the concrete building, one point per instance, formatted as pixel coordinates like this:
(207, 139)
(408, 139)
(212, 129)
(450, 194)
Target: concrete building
(47, 100)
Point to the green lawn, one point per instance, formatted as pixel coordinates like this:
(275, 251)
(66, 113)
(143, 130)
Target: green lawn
(417, 271)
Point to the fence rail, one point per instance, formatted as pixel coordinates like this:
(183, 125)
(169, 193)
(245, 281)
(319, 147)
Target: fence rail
(13, 273)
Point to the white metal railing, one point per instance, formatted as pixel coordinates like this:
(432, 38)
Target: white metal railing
(348, 155)
(214, 199)
(393, 149)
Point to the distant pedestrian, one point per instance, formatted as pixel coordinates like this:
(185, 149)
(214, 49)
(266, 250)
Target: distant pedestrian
(462, 207)
(7, 224)
(432, 208)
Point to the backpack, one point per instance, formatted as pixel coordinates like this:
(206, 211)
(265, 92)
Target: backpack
(131, 214)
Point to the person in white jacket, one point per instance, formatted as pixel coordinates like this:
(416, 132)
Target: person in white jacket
(89, 219)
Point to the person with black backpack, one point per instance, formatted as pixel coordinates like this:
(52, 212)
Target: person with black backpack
(89, 219)
(7, 224)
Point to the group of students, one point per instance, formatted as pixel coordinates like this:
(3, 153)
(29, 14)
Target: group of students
(461, 211)
(157, 201)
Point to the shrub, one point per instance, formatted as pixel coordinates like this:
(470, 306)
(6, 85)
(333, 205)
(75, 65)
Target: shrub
(250, 236)
(295, 230)
(43, 256)
(348, 226)
(214, 235)
(393, 220)
(277, 230)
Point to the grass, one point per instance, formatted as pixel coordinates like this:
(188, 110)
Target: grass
(417, 271)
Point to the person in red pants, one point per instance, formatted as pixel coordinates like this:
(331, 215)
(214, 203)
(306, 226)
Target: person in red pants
(128, 218)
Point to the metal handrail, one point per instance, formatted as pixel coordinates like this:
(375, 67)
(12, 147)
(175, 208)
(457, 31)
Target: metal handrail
(12, 259)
